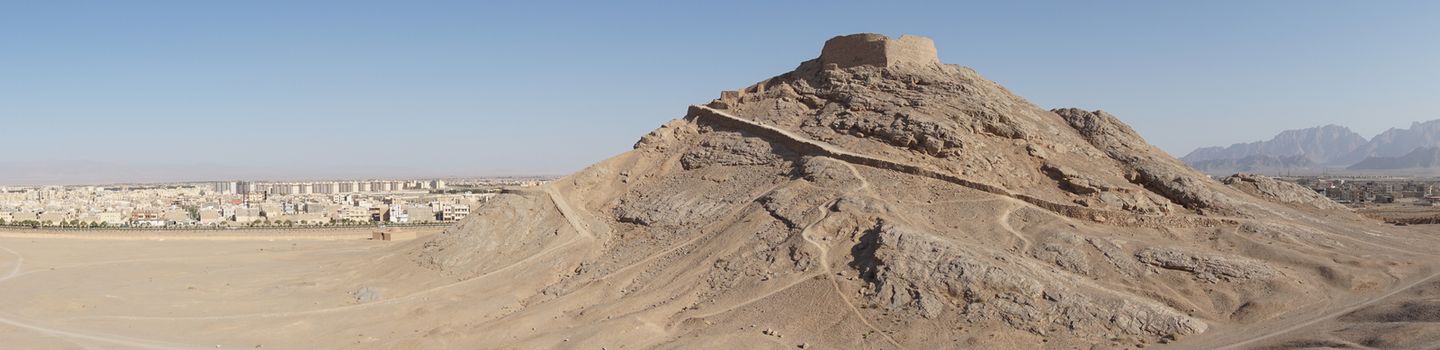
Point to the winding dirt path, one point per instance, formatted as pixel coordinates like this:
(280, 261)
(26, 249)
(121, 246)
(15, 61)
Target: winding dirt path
(14, 266)
(734, 213)
(407, 297)
(8, 319)
(1306, 322)
(758, 298)
(830, 276)
(825, 269)
(1025, 243)
(568, 213)
(181, 258)
(560, 204)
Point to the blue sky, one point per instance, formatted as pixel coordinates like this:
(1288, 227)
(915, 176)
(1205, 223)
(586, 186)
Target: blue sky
(358, 88)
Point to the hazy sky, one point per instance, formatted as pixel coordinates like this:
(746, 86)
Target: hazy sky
(474, 88)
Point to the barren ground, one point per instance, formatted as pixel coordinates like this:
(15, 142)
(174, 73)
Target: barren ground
(164, 290)
(288, 291)
(1407, 213)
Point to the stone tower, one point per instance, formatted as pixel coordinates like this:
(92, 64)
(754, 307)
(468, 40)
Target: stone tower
(878, 50)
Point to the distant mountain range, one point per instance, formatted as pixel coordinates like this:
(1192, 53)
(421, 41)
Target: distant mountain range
(1252, 164)
(1426, 157)
(1398, 142)
(1326, 148)
(1319, 145)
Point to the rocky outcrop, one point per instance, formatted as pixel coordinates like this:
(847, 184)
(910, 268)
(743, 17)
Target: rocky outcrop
(925, 275)
(732, 149)
(1209, 268)
(1075, 181)
(1281, 191)
(1131, 203)
(901, 130)
(1147, 166)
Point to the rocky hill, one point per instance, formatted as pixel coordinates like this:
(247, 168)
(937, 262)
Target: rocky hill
(875, 198)
(1281, 191)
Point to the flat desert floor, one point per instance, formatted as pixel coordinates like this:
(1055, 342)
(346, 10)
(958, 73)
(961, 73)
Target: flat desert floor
(287, 290)
(226, 289)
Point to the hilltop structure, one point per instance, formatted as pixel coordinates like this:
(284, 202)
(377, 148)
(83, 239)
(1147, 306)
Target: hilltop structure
(878, 50)
(876, 198)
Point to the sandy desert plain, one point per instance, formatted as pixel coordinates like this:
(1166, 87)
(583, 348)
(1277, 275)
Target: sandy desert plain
(191, 289)
(283, 290)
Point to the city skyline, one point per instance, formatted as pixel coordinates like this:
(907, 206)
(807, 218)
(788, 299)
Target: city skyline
(14, 173)
(276, 180)
(236, 204)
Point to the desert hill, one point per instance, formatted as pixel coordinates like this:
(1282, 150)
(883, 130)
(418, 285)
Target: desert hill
(876, 198)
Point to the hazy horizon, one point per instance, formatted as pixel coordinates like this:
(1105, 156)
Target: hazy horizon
(360, 89)
(108, 173)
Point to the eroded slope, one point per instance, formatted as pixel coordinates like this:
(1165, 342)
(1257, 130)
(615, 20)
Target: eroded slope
(913, 205)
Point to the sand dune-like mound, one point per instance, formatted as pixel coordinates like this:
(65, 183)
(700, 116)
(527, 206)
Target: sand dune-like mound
(877, 198)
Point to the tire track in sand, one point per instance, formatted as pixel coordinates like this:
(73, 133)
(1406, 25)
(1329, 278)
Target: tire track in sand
(582, 232)
(20, 322)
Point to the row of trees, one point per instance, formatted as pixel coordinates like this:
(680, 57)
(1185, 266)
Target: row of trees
(292, 223)
(464, 191)
(48, 223)
(342, 222)
(257, 223)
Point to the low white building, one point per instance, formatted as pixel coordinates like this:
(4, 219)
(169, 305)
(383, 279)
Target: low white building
(396, 214)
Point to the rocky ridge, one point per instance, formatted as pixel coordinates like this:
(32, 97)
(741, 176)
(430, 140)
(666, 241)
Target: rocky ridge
(1420, 158)
(1323, 144)
(1323, 149)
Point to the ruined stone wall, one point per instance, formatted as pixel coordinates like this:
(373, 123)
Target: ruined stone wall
(805, 146)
